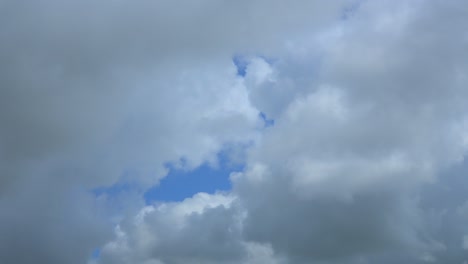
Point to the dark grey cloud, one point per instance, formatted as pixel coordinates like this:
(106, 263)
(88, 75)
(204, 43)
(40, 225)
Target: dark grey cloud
(50, 222)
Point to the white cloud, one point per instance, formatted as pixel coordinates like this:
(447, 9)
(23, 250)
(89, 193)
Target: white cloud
(199, 229)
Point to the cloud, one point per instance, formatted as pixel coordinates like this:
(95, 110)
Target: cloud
(338, 178)
(363, 163)
(50, 222)
(192, 231)
(139, 68)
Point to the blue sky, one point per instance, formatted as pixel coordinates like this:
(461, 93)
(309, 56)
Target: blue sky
(241, 63)
(180, 184)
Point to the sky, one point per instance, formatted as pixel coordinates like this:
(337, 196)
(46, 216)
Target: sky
(233, 132)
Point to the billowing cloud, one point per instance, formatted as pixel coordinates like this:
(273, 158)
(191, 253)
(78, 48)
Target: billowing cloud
(364, 162)
(339, 177)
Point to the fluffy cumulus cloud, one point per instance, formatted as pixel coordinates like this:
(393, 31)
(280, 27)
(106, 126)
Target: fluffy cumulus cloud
(364, 162)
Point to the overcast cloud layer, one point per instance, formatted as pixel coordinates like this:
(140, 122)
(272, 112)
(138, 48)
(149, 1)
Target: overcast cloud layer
(365, 162)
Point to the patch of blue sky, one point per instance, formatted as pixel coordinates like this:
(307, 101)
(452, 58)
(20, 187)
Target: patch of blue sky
(268, 122)
(180, 184)
(96, 254)
(242, 62)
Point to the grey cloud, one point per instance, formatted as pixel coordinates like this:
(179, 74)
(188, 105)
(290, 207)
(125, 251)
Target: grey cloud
(342, 176)
(338, 179)
(370, 126)
(49, 223)
(92, 88)
(115, 57)
(328, 229)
